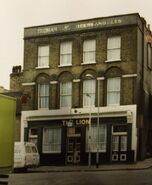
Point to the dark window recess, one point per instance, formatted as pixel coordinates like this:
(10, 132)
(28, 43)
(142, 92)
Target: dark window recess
(34, 131)
(120, 128)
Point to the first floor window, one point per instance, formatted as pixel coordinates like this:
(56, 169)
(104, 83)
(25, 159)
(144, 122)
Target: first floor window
(43, 56)
(89, 51)
(113, 91)
(66, 53)
(89, 87)
(65, 94)
(96, 141)
(43, 96)
(52, 140)
(113, 48)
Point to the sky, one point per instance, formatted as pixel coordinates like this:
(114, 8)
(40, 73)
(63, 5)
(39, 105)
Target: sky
(15, 15)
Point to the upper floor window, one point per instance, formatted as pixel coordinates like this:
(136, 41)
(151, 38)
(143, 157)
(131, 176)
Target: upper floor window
(65, 94)
(89, 93)
(66, 53)
(113, 91)
(113, 48)
(149, 57)
(43, 96)
(43, 56)
(89, 51)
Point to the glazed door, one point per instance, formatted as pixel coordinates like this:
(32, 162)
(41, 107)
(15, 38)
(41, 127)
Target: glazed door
(119, 148)
(73, 150)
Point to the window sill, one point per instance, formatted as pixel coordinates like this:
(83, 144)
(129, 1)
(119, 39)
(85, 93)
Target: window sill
(42, 67)
(68, 65)
(115, 60)
(94, 62)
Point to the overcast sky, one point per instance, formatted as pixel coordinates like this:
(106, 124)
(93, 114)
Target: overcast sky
(17, 14)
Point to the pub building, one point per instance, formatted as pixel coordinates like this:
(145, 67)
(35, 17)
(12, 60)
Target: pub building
(86, 88)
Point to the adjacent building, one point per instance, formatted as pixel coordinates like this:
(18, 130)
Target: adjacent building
(86, 90)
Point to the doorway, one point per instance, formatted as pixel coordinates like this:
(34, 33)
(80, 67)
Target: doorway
(119, 148)
(73, 146)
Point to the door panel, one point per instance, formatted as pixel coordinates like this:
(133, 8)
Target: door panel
(119, 148)
(73, 150)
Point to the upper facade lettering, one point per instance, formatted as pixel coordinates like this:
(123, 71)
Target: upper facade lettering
(81, 25)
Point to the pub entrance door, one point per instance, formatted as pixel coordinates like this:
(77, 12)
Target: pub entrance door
(73, 145)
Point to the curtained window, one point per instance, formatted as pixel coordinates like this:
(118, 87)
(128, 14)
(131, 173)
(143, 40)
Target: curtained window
(113, 91)
(65, 94)
(43, 56)
(113, 48)
(89, 89)
(43, 96)
(94, 138)
(89, 51)
(66, 53)
(52, 140)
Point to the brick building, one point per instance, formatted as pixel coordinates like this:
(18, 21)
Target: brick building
(86, 90)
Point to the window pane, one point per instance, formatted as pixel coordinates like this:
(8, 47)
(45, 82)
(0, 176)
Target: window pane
(65, 53)
(115, 143)
(113, 48)
(65, 94)
(94, 138)
(43, 96)
(88, 92)
(113, 91)
(89, 48)
(123, 143)
(52, 140)
(43, 55)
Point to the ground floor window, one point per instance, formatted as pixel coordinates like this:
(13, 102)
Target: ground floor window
(52, 140)
(97, 141)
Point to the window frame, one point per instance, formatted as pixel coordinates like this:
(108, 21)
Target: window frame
(68, 95)
(41, 96)
(86, 51)
(118, 91)
(66, 54)
(89, 94)
(47, 56)
(53, 143)
(94, 136)
(112, 49)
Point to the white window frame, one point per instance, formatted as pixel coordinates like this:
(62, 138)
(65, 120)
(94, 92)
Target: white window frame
(66, 94)
(66, 53)
(43, 56)
(43, 96)
(113, 90)
(94, 138)
(89, 50)
(89, 92)
(49, 145)
(112, 48)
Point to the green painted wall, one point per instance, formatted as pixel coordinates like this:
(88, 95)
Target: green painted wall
(7, 130)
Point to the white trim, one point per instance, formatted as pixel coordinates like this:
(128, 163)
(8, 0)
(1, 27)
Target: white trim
(76, 80)
(28, 84)
(100, 78)
(114, 60)
(53, 82)
(129, 75)
(86, 63)
(64, 65)
(42, 67)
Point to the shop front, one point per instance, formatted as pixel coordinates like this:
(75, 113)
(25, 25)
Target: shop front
(66, 141)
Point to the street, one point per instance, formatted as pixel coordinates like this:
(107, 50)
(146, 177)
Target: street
(131, 177)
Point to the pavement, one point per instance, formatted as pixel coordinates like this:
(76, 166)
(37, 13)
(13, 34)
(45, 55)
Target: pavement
(140, 165)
